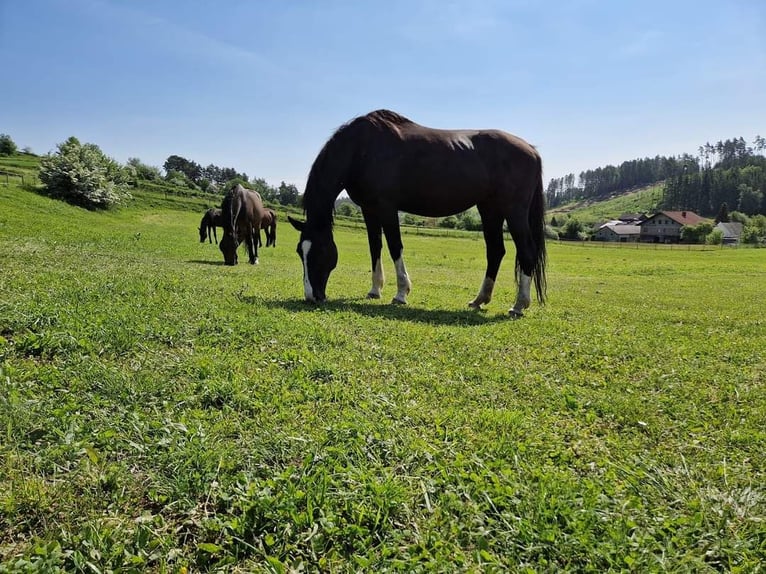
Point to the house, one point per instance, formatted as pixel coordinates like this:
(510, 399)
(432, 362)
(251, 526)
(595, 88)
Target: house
(665, 226)
(632, 218)
(619, 232)
(732, 232)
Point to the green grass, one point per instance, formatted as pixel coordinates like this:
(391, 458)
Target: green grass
(160, 411)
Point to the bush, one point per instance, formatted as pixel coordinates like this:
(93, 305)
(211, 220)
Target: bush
(470, 221)
(573, 229)
(83, 175)
(715, 237)
(7, 145)
(449, 222)
(551, 233)
(696, 233)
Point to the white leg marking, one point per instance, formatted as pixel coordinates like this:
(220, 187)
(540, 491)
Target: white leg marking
(523, 298)
(378, 279)
(485, 293)
(403, 284)
(308, 291)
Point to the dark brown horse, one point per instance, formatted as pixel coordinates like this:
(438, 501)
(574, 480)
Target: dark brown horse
(388, 164)
(269, 226)
(242, 212)
(210, 221)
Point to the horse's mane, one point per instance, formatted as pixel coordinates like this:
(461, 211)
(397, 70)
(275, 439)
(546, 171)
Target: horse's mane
(320, 202)
(386, 118)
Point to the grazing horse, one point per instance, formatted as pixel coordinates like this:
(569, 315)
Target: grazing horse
(388, 163)
(210, 221)
(242, 211)
(269, 225)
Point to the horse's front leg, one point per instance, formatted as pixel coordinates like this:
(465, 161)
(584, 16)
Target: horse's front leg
(395, 248)
(375, 240)
(214, 235)
(493, 239)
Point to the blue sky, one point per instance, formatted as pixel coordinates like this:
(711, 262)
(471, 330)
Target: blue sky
(260, 85)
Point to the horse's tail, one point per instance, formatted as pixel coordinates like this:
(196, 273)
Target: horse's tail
(537, 228)
(203, 232)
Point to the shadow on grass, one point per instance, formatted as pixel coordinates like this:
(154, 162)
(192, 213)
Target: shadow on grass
(368, 308)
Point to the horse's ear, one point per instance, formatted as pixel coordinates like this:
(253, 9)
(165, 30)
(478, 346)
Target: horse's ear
(299, 225)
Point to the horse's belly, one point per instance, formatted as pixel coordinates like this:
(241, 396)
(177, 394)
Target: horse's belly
(438, 203)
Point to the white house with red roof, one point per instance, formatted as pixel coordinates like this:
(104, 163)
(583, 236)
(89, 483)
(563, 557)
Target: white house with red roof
(665, 226)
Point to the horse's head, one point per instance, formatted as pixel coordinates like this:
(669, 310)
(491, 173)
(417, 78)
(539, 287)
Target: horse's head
(202, 233)
(228, 246)
(319, 256)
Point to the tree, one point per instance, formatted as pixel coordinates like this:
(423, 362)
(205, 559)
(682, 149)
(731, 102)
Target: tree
(347, 209)
(190, 169)
(143, 171)
(288, 194)
(83, 175)
(7, 145)
(573, 229)
(469, 220)
(449, 222)
(696, 233)
(723, 214)
(749, 199)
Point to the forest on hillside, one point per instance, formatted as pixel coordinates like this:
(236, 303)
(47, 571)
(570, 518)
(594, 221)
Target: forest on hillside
(729, 172)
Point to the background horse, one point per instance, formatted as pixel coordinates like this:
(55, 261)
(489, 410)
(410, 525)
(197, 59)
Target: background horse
(388, 163)
(269, 226)
(242, 212)
(210, 221)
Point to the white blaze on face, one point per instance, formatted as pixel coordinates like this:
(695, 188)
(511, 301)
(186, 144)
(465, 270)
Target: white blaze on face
(308, 291)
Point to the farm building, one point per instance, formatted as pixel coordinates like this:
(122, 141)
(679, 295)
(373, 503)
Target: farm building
(732, 232)
(665, 226)
(619, 232)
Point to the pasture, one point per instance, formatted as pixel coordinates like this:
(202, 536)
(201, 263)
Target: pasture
(162, 412)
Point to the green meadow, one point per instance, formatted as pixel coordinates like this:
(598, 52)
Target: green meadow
(161, 412)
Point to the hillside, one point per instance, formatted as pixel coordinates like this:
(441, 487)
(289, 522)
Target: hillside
(593, 211)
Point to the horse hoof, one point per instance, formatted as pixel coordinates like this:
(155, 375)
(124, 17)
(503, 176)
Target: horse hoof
(515, 314)
(373, 295)
(396, 301)
(474, 305)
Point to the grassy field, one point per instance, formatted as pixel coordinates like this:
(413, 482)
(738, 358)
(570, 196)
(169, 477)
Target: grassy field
(162, 412)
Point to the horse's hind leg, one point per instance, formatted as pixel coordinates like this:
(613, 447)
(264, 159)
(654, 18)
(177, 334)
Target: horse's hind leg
(214, 235)
(252, 245)
(492, 226)
(526, 255)
(395, 248)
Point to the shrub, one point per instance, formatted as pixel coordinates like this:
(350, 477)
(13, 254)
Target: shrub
(715, 237)
(83, 175)
(7, 145)
(449, 222)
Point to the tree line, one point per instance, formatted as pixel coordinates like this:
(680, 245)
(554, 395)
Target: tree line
(82, 174)
(214, 179)
(729, 171)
